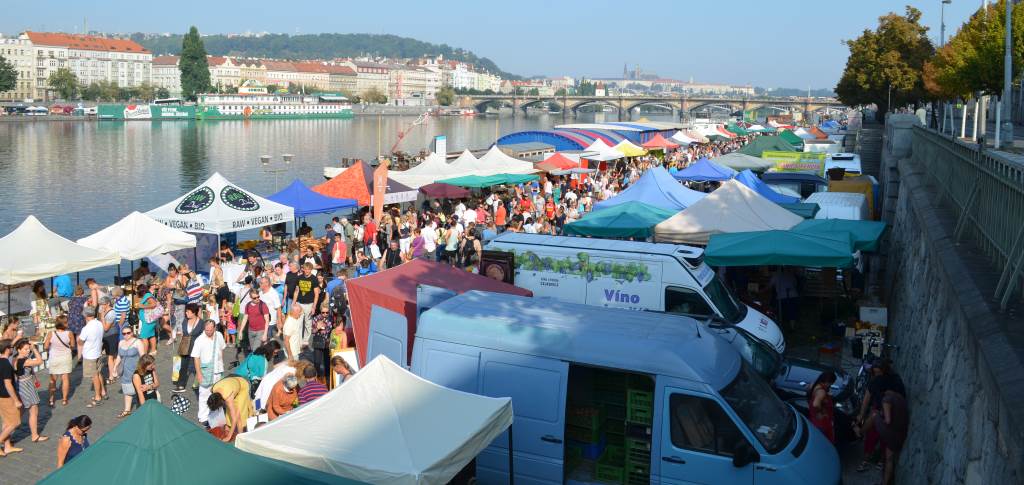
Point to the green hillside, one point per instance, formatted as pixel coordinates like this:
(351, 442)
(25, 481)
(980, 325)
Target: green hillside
(319, 46)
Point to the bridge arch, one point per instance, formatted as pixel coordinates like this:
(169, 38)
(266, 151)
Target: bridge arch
(718, 106)
(534, 102)
(667, 104)
(590, 102)
(481, 106)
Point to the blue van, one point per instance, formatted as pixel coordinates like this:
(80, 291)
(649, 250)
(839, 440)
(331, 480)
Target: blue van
(709, 417)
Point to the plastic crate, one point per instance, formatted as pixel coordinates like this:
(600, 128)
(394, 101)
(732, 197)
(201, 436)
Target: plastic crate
(589, 451)
(613, 455)
(637, 467)
(638, 450)
(639, 406)
(609, 473)
(585, 417)
(583, 435)
(614, 426)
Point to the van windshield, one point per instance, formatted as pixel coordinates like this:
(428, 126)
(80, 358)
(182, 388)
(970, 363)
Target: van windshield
(764, 359)
(764, 414)
(724, 301)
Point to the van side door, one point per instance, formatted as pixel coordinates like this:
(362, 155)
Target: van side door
(537, 386)
(698, 440)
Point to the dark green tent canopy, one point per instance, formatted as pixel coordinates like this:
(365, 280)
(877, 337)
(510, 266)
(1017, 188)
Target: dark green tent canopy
(807, 210)
(792, 138)
(737, 129)
(477, 181)
(628, 219)
(864, 234)
(155, 446)
(762, 144)
(784, 248)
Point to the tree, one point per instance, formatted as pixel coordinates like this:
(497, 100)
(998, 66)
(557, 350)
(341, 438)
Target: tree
(273, 88)
(560, 92)
(195, 72)
(163, 93)
(91, 92)
(972, 60)
(64, 82)
(146, 91)
(888, 61)
(445, 96)
(533, 92)
(109, 90)
(8, 75)
(373, 95)
(587, 88)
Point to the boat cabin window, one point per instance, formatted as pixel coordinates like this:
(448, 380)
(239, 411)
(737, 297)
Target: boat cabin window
(685, 301)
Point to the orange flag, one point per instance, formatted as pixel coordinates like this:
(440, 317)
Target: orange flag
(380, 188)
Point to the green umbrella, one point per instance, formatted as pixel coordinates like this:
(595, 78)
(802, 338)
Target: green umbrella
(156, 446)
(785, 248)
(864, 234)
(478, 181)
(628, 219)
(807, 210)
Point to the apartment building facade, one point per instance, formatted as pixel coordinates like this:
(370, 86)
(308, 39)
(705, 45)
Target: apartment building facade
(19, 54)
(91, 58)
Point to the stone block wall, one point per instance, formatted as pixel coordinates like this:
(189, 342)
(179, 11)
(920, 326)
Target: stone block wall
(964, 377)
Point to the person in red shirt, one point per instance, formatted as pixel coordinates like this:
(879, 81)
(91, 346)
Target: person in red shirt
(525, 204)
(549, 209)
(369, 234)
(257, 315)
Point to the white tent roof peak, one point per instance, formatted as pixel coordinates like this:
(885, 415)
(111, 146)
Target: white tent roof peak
(600, 151)
(33, 252)
(137, 236)
(433, 168)
(218, 206)
(395, 429)
(496, 161)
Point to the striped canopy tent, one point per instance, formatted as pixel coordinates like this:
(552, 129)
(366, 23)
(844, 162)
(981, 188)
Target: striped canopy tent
(658, 142)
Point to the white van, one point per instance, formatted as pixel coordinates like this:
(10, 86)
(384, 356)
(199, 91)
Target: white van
(847, 161)
(632, 275)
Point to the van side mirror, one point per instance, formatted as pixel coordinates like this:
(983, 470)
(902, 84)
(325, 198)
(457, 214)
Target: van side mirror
(744, 454)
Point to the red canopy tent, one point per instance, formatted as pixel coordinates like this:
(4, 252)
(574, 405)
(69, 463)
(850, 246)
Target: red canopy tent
(659, 142)
(556, 162)
(395, 290)
(356, 182)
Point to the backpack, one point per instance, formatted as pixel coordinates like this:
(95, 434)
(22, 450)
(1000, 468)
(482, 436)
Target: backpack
(339, 301)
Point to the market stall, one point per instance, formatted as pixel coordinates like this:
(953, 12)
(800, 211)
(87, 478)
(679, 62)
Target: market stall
(155, 446)
(655, 187)
(395, 290)
(864, 234)
(385, 426)
(628, 149)
(432, 168)
(557, 162)
(496, 162)
(732, 208)
(218, 206)
(705, 170)
(484, 181)
(438, 190)
(356, 182)
(748, 178)
(658, 142)
(741, 161)
(137, 236)
(762, 144)
(781, 248)
(631, 219)
(306, 202)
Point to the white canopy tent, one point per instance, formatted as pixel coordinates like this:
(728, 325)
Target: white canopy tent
(218, 206)
(601, 152)
(733, 207)
(137, 236)
(385, 426)
(465, 164)
(681, 138)
(741, 161)
(496, 161)
(432, 169)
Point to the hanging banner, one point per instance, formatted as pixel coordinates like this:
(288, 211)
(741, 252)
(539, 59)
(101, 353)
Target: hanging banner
(796, 161)
(380, 189)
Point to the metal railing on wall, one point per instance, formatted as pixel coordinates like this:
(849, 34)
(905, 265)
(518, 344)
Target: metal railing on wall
(986, 190)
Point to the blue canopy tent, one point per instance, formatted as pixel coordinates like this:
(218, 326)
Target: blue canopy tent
(748, 178)
(705, 170)
(655, 187)
(306, 202)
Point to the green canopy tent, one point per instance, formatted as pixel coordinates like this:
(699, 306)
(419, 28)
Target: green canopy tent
(628, 219)
(793, 139)
(477, 181)
(784, 248)
(807, 210)
(864, 234)
(737, 129)
(717, 138)
(762, 144)
(155, 446)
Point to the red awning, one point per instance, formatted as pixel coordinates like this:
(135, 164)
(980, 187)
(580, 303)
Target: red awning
(395, 290)
(556, 162)
(658, 141)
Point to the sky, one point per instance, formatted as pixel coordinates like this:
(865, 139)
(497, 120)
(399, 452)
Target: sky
(782, 43)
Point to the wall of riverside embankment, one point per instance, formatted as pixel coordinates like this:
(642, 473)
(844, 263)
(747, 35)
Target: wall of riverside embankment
(956, 355)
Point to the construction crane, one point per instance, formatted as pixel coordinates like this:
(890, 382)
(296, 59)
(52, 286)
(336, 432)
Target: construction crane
(403, 132)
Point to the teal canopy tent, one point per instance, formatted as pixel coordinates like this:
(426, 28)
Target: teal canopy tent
(628, 219)
(807, 210)
(477, 181)
(785, 248)
(864, 234)
(762, 144)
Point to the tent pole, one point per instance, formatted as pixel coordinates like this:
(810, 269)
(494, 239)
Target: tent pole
(131, 267)
(195, 259)
(78, 278)
(118, 282)
(511, 469)
(8, 303)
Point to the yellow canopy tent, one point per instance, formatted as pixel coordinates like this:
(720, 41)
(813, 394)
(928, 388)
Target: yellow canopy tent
(628, 149)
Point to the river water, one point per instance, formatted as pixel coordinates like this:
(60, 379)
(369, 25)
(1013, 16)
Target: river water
(79, 177)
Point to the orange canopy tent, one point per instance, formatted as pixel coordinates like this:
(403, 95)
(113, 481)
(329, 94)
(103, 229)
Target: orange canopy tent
(818, 133)
(556, 162)
(356, 182)
(659, 142)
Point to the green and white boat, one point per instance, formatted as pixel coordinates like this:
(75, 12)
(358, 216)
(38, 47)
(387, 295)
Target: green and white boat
(157, 111)
(272, 106)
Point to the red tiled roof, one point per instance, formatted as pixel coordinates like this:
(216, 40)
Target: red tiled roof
(343, 70)
(165, 61)
(85, 42)
(278, 66)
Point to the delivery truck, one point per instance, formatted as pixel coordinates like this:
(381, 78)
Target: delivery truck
(630, 274)
(608, 395)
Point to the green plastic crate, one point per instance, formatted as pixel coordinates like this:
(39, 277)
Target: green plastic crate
(639, 406)
(638, 450)
(637, 467)
(585, 417)
(583, 435)
(609, 473)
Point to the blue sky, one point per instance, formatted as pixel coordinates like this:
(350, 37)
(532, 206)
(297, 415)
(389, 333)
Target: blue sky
(781, 43)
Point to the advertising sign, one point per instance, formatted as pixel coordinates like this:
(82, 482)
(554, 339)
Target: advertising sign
(796, 161)
(607, 282)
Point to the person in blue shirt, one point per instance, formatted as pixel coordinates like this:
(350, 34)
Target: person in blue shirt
(366, 266)
(62, 285)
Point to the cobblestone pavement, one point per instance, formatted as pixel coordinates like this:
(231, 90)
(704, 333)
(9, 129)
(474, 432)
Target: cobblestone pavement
(39, 459)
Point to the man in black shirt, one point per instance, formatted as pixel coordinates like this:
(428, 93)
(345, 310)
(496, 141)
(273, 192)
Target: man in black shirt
(10, 405)
(306, 295)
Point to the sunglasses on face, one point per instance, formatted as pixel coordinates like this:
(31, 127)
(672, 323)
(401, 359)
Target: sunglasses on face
(126, 333)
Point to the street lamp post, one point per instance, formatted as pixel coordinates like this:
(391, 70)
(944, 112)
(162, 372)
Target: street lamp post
(942, 43)
(1004, 128)
(265, 163)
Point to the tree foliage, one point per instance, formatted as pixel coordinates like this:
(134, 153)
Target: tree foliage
(8, 75)
(586, 88)
(195, 72)
(887, 61)
(972, 60)
(445, 96)
(64, 82)
(373, 95)
(321, 46)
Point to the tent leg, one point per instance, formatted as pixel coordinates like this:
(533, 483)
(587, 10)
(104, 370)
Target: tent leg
(78, 278)
(195, 259)
(118, 282)
(511, 468)
(131, 267)
(9, 307)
